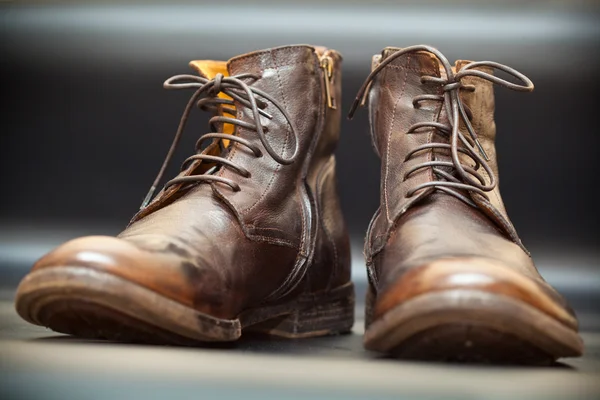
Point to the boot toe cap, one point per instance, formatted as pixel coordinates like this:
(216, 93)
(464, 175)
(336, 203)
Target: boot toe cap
(159, 266)
(98, 252)
(475, 274)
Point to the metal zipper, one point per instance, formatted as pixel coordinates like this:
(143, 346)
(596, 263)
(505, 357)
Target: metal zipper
(327, 67)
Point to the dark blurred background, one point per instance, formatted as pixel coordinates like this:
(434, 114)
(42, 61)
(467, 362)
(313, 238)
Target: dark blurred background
(85, 122)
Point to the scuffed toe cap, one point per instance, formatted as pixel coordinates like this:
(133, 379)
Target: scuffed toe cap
(474, 274)
(100, 252)
(152, 262)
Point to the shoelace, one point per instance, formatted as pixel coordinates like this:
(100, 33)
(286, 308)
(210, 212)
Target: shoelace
(246, 96)
(468, 179)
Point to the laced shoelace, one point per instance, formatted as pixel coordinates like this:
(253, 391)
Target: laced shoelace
(246, 96)
(464, 178)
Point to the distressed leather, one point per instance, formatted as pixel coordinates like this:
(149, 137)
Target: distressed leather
(434, 241)
(283, 234)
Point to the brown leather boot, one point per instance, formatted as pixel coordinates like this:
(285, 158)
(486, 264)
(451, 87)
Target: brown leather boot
(449, 277)
(248, 237)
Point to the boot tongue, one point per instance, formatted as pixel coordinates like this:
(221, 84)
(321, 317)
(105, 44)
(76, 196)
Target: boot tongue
(209, 70)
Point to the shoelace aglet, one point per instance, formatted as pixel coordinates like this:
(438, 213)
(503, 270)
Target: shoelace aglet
(353, 108)
(365, 96)
(148, 197)
(360, 100)
(481, 150)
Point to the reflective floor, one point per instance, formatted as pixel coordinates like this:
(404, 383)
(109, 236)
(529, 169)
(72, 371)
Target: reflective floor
(38, 363)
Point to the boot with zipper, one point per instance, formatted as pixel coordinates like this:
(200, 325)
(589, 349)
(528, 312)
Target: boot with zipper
(248, 237)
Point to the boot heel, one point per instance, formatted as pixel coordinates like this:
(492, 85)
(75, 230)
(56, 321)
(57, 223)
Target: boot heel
(315, 314)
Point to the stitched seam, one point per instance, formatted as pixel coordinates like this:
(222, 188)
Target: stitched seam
(291, 277)
(500, 218)
(282, 66)
(391, 231)
(262, 53)
(509, 229)
(286, 65)
(236, 144)
(262, 196)
(166, 195)
(270, 240)
(387, 153)
(388, 234)
(287, 133)
(264, 229)
(400, 67)
(430, 155)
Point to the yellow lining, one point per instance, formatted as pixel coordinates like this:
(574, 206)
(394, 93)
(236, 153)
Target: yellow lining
(209, 69)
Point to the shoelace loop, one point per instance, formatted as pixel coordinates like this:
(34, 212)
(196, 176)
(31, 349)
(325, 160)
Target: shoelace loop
(468, 179)
(247, 96)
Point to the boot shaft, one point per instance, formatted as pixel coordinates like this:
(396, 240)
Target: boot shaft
(288, 196)
(409, 107)
(297, 77)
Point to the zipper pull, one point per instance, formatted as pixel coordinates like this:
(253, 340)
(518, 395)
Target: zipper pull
(327, 66)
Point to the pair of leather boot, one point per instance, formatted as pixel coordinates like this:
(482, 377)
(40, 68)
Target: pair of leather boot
(250, 237)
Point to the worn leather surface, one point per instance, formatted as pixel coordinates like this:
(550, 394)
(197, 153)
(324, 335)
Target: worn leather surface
(223, 252)
(433, 241)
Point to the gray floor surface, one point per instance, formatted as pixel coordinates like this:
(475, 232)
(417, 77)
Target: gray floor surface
(38, 363)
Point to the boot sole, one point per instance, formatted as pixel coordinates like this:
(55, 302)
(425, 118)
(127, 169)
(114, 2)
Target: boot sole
(96, 305)
(471, 326)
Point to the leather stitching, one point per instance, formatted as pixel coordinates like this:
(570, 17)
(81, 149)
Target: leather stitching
(482, 203)
(262, 196)
(262, 53)
(270, 240)
(392, 229)
(387, 153)
(401, 67)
